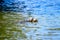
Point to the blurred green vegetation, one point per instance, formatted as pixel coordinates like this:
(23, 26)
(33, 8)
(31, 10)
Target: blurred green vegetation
(9, 28)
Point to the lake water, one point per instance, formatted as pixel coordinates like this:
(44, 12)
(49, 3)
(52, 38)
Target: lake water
(47, 12)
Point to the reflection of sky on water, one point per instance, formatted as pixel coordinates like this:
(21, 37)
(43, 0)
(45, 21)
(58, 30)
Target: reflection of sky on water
(47, 12)
(45, 22)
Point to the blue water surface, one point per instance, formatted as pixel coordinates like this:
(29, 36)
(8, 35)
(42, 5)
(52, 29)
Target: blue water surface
(48, 14)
